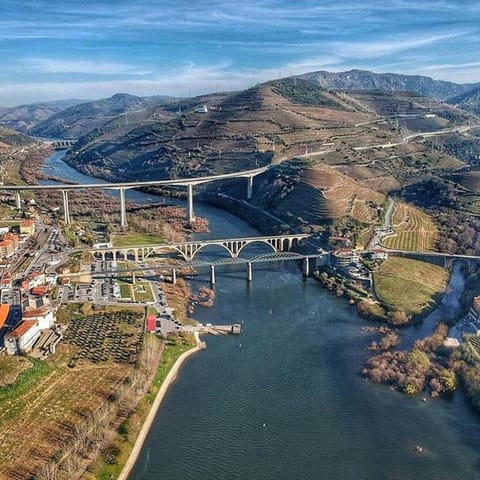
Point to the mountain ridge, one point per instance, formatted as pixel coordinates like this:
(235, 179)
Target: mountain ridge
(366, 80)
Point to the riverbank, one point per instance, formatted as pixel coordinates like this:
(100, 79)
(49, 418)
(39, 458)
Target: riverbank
(298, 373)
(147, 424)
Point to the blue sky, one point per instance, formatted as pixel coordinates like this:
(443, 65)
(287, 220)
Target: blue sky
(52, 49)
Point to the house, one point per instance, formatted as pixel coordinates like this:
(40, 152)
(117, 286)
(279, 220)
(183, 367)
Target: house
(22, 338)
(43, 316)
(35, 302)
(39, 291)
(6, 281)
(474, 312)
(379, 255)
(338, 240)
(51, 279)
(27, 227)
(8, 245)
(36, 279)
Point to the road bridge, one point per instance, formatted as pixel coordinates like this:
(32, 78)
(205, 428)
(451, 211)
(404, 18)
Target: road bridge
(188, 250)
(281, 246)
(189, 183)
(178, 266)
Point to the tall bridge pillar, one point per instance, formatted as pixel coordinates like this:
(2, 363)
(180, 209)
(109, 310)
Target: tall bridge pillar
(174, 276)
(190, 214)
(18, 199)
(123, 211)
(66, 209)
(249, 187)
(212, 274)
(306, 267)
(249, 272)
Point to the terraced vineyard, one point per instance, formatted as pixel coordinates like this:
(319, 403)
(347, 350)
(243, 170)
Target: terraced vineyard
(474, 342)
(324, 193)
(414, 230)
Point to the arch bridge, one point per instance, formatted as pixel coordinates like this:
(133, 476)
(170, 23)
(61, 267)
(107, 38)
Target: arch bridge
(61, 144)
(189, 250)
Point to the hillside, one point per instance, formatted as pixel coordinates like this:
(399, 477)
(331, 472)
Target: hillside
(25, 117)
(11, 138)
(365, 80)
(270, 122)
(82, 118)
(468, 101)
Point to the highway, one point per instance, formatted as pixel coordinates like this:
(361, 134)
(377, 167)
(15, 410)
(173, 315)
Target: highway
(150, 183)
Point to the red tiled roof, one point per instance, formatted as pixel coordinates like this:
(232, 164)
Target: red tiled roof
(37, 312)
(22, 329)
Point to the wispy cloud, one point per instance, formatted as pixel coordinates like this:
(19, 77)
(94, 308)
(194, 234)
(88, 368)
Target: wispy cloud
(381, 47)
(92, 67)
(176, 46)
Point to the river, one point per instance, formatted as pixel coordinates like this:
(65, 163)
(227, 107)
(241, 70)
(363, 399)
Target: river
(285, 399)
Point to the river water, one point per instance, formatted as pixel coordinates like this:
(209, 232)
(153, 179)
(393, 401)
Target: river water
(285, 400)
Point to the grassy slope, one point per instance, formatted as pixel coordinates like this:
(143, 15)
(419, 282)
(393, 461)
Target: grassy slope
(409, 285)
(137, 239)
(414, 230)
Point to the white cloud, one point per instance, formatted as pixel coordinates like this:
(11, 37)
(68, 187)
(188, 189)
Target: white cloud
(54, 66)
(380, 48)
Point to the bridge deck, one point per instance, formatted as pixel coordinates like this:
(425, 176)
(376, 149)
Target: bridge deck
(151, 183)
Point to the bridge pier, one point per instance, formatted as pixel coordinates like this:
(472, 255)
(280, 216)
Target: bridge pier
(66, 209)
(18, 199)
(306, 267)
(212, 274)
(133, 278)
(174, 276)
(123, 212)
(249, 187)
(190, 214)
(249, 272)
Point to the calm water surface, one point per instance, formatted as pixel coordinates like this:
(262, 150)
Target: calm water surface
(285, 399)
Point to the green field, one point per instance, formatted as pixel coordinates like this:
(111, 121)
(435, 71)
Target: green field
(143, 296)
(132, 239)
(125, 291)
(409, 285)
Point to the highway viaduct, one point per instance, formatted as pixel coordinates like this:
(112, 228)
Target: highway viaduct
(189, 183)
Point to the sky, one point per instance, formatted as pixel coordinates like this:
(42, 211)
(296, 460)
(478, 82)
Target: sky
(57, 49)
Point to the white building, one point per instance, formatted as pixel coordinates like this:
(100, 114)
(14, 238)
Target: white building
(22, 338)
(43, 316)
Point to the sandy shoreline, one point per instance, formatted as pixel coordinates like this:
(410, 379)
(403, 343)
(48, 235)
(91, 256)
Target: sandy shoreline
(169, 379)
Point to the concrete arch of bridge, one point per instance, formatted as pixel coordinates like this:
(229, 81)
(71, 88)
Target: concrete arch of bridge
(256, 243)
(131, 254)
(149, 251)
(213, 248)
